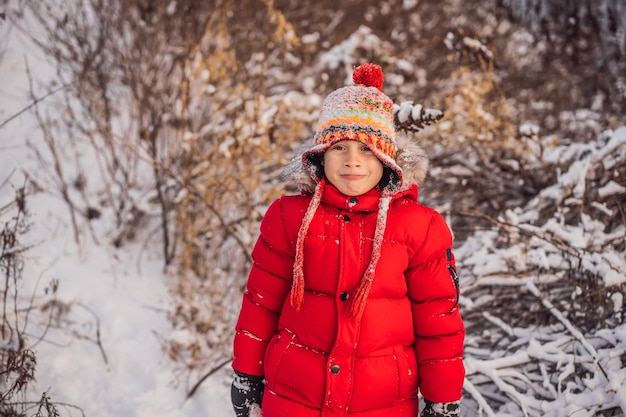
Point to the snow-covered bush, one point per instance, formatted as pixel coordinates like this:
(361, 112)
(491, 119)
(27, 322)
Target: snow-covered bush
(227, 176)
(544, 291)
(480, 161)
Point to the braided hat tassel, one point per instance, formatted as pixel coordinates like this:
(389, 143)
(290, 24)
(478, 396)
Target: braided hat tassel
(297, 288)
(357, 306)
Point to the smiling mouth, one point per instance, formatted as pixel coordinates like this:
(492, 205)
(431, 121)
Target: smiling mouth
(352, 176)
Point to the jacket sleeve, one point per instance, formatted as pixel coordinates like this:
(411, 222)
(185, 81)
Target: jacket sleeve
(434, 291)
(268, 284)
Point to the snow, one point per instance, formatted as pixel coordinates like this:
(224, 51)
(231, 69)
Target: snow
(103, 355)
(404, 110)
(611, 188)
(345, 53)
(102, 351)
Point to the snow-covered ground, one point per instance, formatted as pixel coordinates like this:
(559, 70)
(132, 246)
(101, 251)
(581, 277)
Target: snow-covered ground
(102, 355)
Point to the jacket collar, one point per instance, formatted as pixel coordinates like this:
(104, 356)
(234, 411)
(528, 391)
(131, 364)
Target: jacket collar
(365, 202)
(369, 201)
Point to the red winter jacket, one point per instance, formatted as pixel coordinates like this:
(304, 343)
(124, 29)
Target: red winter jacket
(320, 362)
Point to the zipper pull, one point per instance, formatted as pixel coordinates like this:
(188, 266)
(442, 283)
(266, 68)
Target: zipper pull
(454, 276)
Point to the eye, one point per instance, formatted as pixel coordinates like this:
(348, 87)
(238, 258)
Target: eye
(337, 147)
(366, 148)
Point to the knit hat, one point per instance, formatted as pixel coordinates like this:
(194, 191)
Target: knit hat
(363, 113)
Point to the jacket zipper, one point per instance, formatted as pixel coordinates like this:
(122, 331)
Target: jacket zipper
(454, 276)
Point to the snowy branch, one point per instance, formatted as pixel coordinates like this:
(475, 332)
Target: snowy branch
(414, 117)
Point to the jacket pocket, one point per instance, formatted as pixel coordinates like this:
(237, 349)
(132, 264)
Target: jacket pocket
(406, 360)
(376, 381)
(295, 372)
(274, 354)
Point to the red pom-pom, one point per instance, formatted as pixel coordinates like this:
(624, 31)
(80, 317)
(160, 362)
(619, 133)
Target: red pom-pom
(369, 75)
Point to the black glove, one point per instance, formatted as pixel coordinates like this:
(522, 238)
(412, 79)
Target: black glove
(245, 391)
(432, 409)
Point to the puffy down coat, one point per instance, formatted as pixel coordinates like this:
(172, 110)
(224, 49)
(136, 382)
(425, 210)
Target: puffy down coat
(317, 361)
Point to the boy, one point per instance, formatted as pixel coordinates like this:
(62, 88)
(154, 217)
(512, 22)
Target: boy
(352, 301)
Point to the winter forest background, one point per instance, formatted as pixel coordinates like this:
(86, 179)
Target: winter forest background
(142, 141)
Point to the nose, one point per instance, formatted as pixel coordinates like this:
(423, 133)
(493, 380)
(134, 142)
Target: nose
(353, 158)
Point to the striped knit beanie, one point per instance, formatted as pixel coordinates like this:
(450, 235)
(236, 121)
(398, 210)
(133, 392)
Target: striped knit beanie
(361, 112)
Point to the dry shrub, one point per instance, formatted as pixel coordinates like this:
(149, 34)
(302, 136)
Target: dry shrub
(173, 101)
(18, 360)
(235, 140)
(480, 161)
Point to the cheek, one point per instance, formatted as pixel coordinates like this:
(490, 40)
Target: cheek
(327, 168)
(329, 164)
(377, 169)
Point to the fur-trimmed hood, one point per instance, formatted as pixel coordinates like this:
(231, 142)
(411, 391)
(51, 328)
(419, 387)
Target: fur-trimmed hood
(411, 158)
(413, 163)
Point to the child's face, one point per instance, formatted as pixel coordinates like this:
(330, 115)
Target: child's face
(351, 167)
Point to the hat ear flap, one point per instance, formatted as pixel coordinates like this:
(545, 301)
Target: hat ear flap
(315, 165)
(390, 180)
